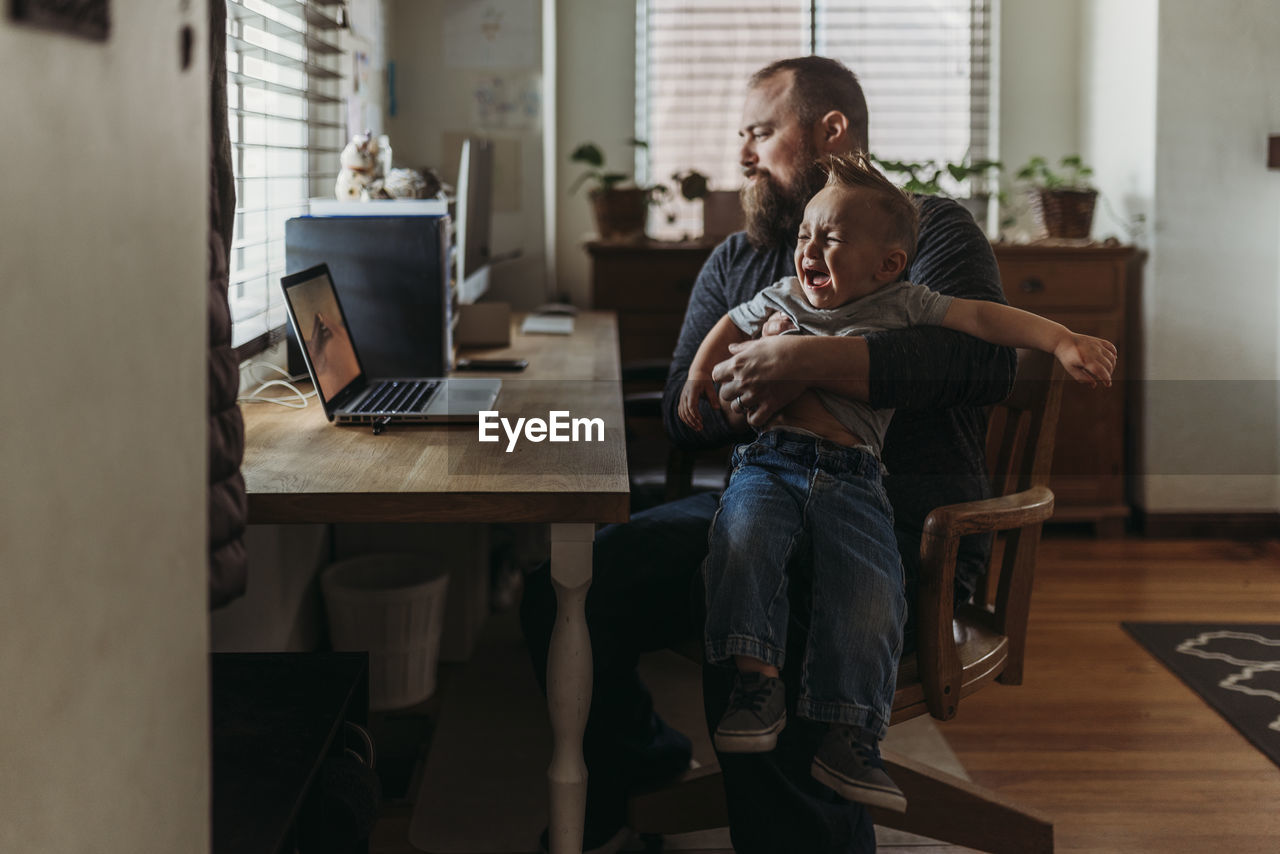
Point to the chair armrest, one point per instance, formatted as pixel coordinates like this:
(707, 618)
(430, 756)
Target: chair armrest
(991, 514)
(935, 602)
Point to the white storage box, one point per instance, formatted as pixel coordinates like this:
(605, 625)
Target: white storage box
(392, 606)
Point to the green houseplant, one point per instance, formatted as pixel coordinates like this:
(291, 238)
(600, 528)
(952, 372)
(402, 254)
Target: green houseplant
(1062, 197)
(621, 208)
(926, 178)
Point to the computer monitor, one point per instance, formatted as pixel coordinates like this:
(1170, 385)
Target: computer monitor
(474, 211)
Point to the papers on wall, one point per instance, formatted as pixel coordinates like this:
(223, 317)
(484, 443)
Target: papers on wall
(490, 34)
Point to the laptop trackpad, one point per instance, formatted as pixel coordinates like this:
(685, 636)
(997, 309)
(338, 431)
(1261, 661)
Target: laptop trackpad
(464, 396)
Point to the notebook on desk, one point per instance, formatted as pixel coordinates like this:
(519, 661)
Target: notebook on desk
(346, 393)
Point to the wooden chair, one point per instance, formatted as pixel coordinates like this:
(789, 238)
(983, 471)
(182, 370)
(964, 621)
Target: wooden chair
(959, 650)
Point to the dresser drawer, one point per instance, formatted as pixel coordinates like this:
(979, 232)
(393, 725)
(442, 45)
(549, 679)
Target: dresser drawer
(1042, 286)
(656, 282)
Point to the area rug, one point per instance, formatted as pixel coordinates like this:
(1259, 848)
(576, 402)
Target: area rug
(1234, 667)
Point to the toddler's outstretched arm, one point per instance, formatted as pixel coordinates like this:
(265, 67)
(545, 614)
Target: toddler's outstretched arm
(1087, 359)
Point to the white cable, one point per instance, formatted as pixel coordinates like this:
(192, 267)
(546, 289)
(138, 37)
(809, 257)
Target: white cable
(297, 400)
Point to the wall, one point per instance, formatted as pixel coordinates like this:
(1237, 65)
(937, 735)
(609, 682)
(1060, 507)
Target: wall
(1118, 112)
(596, 98)
(438, 102)
(104, 719)
(1039, 81)
(1213, 305)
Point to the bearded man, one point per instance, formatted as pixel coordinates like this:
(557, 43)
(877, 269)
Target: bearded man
(646, 591)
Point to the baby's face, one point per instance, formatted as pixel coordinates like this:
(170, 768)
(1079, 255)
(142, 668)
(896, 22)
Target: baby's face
(841, 254)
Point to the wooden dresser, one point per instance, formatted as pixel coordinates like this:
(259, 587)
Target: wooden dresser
(1091, 289)
(648, 285)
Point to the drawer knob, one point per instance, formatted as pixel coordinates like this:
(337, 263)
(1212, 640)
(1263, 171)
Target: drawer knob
(1031, 286)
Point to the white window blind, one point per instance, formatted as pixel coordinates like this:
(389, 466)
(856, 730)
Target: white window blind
(287, 130)
(924, 66)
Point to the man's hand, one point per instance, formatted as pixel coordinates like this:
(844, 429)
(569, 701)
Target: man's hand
(776, 324)
(1087, 359)
(756, 380)
(695, 390)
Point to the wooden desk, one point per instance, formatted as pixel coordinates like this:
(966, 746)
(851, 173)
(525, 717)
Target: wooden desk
(299, 468)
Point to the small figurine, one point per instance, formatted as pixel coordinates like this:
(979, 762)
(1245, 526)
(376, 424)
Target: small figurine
(367, 174)
(360, 168)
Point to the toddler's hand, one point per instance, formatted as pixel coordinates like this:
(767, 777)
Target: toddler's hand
(693, 391)
(776, 324)
(1087, 359)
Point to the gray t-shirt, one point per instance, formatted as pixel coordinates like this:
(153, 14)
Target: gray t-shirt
(894, 306)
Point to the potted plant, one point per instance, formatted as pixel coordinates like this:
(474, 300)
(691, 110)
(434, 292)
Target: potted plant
(621, 208)
(1063, 198)
(690, 185)
(925, 178)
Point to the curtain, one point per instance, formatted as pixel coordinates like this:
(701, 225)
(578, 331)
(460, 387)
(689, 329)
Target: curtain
(228, 504)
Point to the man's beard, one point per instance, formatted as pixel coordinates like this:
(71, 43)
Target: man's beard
(774, 212)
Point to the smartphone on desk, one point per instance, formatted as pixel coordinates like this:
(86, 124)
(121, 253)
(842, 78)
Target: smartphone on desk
(492, 364)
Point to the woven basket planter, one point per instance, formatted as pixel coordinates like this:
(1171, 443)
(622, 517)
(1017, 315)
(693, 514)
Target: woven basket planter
(1065, 213)
(621, 215)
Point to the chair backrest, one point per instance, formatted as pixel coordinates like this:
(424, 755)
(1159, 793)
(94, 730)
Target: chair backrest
(961, 648)
(1020, 454)
(1020, 438)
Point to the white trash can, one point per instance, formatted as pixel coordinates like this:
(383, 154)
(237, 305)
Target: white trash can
(392, 606)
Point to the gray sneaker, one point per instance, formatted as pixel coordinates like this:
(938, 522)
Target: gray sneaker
(849, 762)
(757, 713)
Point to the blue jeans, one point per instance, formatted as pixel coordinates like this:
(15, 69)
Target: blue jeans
(793, 496)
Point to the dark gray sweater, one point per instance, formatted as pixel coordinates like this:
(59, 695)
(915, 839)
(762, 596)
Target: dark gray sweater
(939, 381)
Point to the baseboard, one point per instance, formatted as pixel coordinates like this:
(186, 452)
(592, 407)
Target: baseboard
(1238, 526)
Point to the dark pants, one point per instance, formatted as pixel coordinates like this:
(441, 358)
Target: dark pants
(646, 595)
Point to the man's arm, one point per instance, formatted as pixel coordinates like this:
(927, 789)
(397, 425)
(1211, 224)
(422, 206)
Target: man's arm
(927, 367)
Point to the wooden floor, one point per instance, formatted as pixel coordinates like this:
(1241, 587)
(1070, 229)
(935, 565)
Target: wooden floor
(1100, 736)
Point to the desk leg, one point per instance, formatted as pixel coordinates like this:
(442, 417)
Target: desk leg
(569, 683)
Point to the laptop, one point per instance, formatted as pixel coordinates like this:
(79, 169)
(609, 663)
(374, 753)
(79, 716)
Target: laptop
(350, 397)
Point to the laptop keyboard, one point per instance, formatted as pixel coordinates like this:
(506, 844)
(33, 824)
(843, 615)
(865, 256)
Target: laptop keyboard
(395, 396)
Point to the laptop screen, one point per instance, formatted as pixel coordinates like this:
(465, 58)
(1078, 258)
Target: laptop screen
(321, 328)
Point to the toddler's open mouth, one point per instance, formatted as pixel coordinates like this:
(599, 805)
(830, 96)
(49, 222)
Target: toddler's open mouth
(815, 278)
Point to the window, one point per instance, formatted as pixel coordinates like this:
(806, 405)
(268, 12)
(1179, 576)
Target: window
(287, 130)
(924, 65)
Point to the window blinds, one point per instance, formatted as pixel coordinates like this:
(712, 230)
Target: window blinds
(924, 65)
(287, 130)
